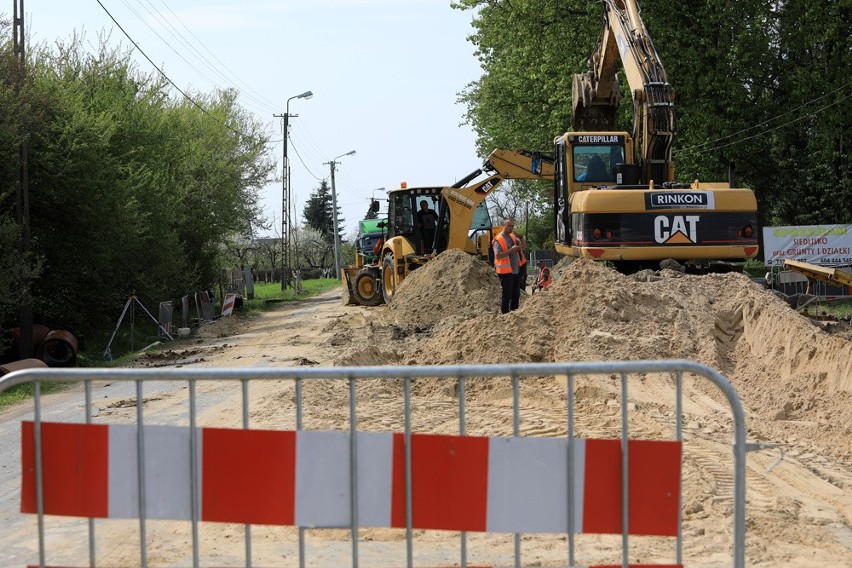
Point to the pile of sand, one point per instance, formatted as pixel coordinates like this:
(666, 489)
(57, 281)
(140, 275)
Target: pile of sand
(796, 377)
(452, 284)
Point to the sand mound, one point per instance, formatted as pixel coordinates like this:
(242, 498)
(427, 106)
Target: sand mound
(453, 283)
(785, 366)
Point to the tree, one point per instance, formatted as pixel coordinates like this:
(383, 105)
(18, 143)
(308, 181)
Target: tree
(758, 85)
(315, 250)
(131, 190)
(318, 212)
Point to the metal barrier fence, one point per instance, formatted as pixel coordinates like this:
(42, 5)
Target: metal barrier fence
(45, 445)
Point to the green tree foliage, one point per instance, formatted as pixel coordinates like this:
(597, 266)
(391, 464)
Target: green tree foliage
(760, 84)
(130, 187)
(318, 213)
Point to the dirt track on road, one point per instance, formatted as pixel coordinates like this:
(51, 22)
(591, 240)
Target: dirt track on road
(795, 380)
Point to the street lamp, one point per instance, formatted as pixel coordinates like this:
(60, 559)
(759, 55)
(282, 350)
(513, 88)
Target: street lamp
(334, 215)
(285, 192)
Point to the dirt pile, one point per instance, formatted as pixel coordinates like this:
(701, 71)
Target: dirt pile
(791, 372)
(453, 284)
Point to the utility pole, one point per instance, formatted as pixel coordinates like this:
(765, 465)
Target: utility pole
(285, 201)
(334, 219)
(285, 191)
(22, 204)
(336, 235)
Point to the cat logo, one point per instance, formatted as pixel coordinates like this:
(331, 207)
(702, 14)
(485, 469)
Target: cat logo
(676, 230)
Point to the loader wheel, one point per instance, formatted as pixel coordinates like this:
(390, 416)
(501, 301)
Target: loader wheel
(366, 290)
(388, 278)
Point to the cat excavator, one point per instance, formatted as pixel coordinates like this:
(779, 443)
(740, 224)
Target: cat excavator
(459, 219)
(615, 194)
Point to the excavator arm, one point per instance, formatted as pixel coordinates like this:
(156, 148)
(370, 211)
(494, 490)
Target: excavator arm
(520, 164)
(596, 92)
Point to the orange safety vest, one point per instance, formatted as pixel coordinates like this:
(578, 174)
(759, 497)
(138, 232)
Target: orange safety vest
(541, 278)
(503, 265)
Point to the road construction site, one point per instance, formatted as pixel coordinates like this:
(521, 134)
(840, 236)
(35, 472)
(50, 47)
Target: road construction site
(793, 374)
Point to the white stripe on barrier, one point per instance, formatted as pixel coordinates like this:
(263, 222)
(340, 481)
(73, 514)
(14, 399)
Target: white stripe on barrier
(323, 489)
(527, 484)
(167, 472)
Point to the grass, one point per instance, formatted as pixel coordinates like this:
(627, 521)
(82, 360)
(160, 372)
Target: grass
(836, 308)
(268, 294)
(265, 297)
(20, 393)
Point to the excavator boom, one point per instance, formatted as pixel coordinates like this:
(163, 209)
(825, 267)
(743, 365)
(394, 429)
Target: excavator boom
(520, 164)
(596, 93)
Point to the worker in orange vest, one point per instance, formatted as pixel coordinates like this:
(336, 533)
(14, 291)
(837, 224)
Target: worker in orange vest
(544, 278)
(507, 259)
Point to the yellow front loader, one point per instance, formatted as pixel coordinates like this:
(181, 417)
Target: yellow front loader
(463, 223)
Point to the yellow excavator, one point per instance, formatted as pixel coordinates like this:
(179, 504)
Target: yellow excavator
(615, 196)
(457, 218)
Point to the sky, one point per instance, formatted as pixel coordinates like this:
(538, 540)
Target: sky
(385, 77)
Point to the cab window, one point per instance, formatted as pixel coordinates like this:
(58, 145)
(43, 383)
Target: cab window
(400, 213)
(597, 162)
(481, 218)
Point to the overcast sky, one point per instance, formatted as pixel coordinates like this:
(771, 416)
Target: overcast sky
(385, 75)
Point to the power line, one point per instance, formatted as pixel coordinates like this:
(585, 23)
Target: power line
(173, 32)
(260, 98)
(167, 78)
(766, 131)
(313, 175)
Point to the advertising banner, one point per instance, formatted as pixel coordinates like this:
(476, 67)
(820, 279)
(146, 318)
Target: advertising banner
(824, 245)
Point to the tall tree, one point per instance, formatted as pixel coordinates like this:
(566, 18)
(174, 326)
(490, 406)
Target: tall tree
(757, 85)
(130, 190)
(318, 213)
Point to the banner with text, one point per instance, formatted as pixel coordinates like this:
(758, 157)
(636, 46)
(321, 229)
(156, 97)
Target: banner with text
(824, 245)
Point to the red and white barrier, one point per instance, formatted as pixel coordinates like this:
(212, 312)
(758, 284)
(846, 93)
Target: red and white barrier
(228, 304)
(302, 478)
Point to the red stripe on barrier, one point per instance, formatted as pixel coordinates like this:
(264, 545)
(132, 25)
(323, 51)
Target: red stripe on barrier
(75, 469)
(449, 478)
(637, 566)
(653, 486)
(248, 476)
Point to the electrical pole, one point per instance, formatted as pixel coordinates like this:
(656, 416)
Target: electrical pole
(22, 204)
(334, 219)
(285, 191)
(285, 202)
(333, 163)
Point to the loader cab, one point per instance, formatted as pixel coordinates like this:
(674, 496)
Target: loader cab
(482, 232)
(403, 208)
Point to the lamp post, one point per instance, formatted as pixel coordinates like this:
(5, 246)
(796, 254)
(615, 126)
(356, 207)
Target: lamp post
(285, 191)
(333, 163)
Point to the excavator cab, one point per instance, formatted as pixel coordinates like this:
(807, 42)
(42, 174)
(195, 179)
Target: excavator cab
(595, 160)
